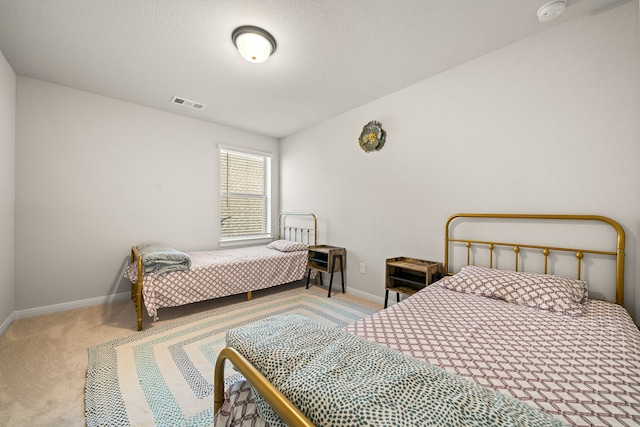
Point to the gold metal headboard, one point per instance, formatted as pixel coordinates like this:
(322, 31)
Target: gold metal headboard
(294, 233)
(546, 250)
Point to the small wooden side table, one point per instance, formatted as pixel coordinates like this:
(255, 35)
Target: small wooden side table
(325, 259)
(408, 275)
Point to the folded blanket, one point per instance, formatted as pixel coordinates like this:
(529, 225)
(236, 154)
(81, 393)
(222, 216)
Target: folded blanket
(162, 259)
(336, 378)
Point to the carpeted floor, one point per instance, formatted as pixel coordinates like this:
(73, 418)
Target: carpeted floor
(43, 359)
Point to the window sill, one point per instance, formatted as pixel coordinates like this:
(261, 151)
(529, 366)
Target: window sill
(245, 241)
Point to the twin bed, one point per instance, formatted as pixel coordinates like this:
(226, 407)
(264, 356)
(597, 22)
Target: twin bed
(163, 277)
(487, 345)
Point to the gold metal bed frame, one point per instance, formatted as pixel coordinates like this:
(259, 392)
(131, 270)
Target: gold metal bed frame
(287, 232)
(294, 417)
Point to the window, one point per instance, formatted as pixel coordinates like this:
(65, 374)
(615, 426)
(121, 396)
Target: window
(245, 194)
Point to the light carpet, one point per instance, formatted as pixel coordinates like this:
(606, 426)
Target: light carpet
(164, 376)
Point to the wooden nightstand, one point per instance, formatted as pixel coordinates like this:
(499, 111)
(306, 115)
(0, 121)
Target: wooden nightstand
(409, 275)
(325, 259)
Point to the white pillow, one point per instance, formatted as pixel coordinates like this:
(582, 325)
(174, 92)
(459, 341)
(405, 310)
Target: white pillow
(287, 246)
(543, 291)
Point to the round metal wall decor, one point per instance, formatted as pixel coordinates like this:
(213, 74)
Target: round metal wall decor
(372, 137)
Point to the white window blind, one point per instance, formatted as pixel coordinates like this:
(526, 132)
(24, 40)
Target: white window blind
(245, 194)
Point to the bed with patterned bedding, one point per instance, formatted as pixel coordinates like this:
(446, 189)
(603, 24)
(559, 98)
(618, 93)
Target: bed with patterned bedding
(219, 273)
(172, 278)
(536, 338)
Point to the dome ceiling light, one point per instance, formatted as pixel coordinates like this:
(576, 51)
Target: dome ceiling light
(551, 10)
(254, 44)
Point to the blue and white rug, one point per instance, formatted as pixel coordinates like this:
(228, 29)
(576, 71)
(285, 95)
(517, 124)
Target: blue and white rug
(164, 376)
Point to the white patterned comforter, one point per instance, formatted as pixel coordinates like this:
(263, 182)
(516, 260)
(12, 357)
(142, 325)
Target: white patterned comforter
(584, 371)
(219, 273)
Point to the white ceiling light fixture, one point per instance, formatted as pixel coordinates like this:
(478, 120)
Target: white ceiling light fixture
(551, 10)
(254, 44)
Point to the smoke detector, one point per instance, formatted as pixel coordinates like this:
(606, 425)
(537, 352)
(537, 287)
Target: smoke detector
(187, 103)
(551, 10)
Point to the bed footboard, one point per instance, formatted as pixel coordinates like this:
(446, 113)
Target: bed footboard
(136, 288)
(283, 406)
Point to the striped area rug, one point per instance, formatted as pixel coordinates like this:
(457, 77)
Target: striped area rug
(164, 376)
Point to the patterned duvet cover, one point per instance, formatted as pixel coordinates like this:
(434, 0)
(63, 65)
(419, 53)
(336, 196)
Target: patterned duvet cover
(583, 370)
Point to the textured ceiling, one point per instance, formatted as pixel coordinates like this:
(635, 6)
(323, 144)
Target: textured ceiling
(332, 56)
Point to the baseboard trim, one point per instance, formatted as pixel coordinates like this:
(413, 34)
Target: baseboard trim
(374, 298)
(364, 295)
(48, 309)
(5, 325)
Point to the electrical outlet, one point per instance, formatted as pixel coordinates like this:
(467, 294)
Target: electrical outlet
(362, 268)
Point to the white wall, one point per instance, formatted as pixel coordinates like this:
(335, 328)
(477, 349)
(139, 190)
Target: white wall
(7, 191)
(95, 176)
(546, 125)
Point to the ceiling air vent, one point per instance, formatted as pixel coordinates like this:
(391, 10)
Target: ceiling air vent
(187, 103)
